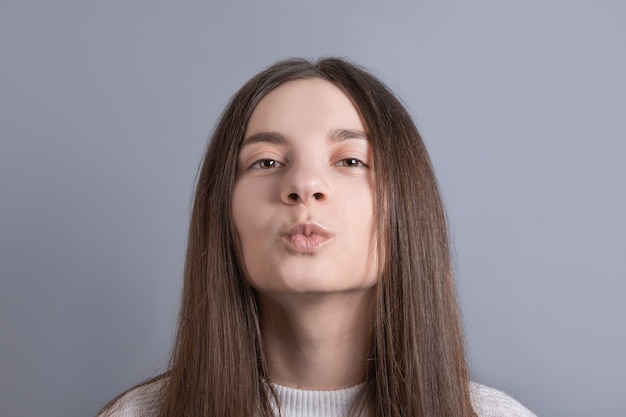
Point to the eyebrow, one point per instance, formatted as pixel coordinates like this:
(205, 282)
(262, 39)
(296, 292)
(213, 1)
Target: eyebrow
(269, 137)
(338, 135)
(335, 135)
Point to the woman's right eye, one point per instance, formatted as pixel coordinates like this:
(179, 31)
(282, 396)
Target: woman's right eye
(266, 164)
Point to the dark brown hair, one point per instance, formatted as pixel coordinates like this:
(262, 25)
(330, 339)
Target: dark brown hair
(417, 365)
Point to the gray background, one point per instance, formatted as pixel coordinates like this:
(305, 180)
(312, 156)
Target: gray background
(105, 108)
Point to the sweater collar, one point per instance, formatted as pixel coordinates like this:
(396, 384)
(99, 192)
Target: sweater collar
(310, 403)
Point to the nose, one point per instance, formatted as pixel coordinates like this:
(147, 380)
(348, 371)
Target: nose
(305, 185)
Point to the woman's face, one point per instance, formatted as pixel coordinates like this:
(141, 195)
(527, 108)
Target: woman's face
(303, 201)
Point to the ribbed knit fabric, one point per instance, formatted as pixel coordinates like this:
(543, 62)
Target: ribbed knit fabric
(487, 402)
(301, 403)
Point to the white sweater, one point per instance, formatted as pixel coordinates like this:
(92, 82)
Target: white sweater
(487, 402)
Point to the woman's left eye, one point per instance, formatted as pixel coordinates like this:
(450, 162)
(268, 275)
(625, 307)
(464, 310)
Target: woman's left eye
(351, 162)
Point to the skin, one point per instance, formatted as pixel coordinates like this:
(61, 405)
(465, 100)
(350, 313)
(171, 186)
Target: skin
(303, 208)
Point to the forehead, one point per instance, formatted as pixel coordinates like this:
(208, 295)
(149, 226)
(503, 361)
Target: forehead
(304, 106)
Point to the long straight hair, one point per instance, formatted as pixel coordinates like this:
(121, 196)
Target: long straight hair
(417, 366)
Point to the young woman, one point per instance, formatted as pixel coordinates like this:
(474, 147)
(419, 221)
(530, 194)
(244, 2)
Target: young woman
(318, 278)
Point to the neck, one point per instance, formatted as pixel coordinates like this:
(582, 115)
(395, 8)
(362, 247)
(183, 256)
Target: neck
(317, 341)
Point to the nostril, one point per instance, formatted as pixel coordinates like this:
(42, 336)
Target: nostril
(293, 196)
(318, 196)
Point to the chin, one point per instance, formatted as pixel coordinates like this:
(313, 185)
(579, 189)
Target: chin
(311, 280)
(318, 287)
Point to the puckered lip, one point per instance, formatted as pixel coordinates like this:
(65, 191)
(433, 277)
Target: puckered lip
(307, 230)
(306, 238)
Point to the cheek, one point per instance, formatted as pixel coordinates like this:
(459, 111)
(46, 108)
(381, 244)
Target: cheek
(254, 201)
(245, 230)
(359, 220)
(359, 208)
(250, 219)
(363, 225)
(242, 220)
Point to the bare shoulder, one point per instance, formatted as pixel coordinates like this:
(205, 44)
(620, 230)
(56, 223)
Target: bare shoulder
(142, 401)
(489, 402)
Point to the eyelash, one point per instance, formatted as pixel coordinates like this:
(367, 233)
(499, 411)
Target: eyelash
(260, 164)
(357, 163)
(345, 162)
